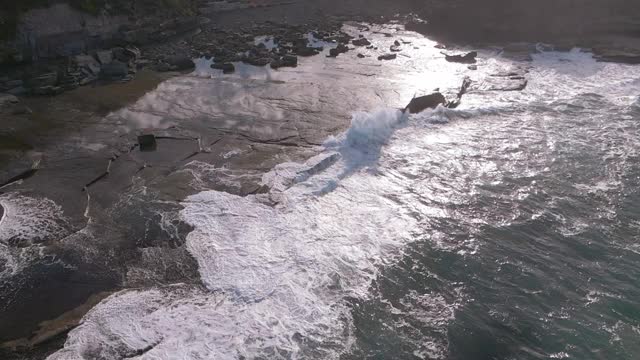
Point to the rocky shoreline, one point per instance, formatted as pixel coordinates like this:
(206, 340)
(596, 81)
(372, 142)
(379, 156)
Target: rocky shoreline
(51, 66)
(142, 57)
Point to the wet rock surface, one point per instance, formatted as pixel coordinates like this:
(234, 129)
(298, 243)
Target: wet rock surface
(468, 58)
(387, 57)
(421, 103)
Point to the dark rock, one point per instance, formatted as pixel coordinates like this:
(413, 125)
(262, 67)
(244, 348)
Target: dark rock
(180, 62)
(307, 51)
(42, 80)
(47, 90)
(505, 81)
(422, 103)
(617, 56)
(163, 67)
(104, 57)
(395, 48)
(7, 100)
(87, 80)
(88, 63)
(396, 43)
(387, 57)
(114, 70)
(340, 49)
(147, 142)
(285, 61)
(14, 83)
(361, 42)
(19, 90)
(227, 68)
(469, 58)
(361, 56)
(127, 54)
(257, 61)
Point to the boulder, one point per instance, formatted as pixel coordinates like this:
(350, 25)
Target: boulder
(42, 80)
(361, 42)
(422, 103)
(257, 61)
(88, 63)
(47, 90)
(114, 70)
(340, 49)
(180, 62)
(387, 57)
(396, 43)
(468, 58)
(361, 56)
(395, 48)
(307, 51)
(227, 68)
(162, 67)
(285, 61)
(104, 57)
(8, 100)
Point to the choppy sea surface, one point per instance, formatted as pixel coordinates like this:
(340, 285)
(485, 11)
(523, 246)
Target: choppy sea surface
(508, 228)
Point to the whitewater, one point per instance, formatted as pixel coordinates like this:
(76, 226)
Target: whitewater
(283, 273)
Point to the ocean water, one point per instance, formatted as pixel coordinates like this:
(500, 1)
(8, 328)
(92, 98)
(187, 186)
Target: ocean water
(506, 229)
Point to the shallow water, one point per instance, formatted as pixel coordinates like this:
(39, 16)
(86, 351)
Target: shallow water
(505, 229)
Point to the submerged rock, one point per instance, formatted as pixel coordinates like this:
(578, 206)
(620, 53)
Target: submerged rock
(468, 58)
(514, 80)
(421, 103)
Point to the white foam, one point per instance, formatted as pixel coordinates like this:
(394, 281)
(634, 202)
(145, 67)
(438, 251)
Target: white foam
(27, 220)
(276, 277)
